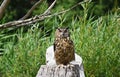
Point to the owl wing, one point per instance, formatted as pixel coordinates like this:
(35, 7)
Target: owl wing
(55, 44)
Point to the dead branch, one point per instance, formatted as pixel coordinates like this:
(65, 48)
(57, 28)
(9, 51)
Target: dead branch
(50, 7)
(35, 18)
(3, 7)
(30, 11)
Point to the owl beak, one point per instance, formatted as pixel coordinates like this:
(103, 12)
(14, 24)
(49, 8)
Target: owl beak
(63, 36)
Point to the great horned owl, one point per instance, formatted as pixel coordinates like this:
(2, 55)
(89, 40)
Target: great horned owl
(63, 47)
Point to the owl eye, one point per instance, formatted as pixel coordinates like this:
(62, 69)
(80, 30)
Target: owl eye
(59, 30)
(66, 29)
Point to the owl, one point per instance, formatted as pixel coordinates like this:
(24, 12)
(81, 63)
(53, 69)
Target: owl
(64, 51)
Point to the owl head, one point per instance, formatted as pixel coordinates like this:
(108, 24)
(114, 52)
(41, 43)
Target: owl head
(62, 33)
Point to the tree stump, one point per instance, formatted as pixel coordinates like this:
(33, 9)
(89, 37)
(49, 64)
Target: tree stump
(51, 69)
(59, 71)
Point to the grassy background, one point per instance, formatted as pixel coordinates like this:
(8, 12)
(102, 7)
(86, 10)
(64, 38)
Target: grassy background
(96, 41)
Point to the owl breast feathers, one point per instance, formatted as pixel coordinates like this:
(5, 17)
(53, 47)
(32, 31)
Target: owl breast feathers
(63, 47)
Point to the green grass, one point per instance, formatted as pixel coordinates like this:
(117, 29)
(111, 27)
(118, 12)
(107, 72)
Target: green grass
(96, 41)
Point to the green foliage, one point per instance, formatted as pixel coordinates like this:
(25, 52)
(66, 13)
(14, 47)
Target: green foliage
(25, 57)
(96, 41)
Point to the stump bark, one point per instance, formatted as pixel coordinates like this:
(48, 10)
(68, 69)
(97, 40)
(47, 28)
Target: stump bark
(59, 71)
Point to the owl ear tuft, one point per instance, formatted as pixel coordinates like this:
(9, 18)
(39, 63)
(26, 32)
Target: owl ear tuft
(59, 29)
(67, 28)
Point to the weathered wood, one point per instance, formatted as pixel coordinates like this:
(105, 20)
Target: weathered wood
(74, 69)
(59, 71)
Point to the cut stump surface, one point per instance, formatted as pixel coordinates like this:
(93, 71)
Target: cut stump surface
(59, 71)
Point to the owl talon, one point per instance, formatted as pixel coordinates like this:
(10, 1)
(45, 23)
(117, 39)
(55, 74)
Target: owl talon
(69, 66)
(61, 66)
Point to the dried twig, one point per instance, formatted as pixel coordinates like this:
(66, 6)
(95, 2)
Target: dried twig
(50, 7)
(3, 7)
(30, 11)
(35, 18)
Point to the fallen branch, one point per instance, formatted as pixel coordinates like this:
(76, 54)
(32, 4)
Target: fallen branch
(50, 7)
(3, 7)
(30, 11)
(36, 18)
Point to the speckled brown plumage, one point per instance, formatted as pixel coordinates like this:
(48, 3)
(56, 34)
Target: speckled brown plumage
(63, 47)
